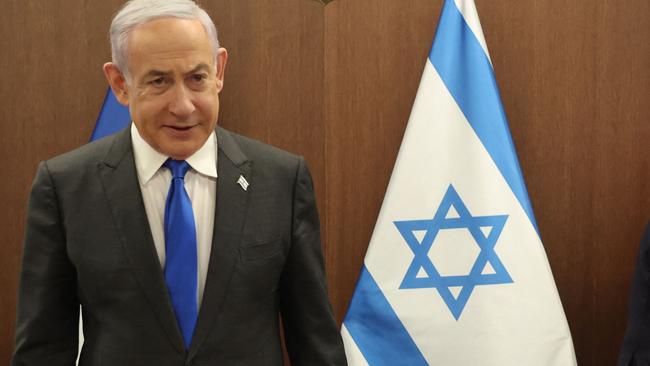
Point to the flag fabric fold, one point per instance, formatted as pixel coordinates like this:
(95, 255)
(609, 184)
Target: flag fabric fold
(455, 272)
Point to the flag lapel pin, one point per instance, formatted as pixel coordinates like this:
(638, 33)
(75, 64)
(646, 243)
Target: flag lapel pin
(243, 183)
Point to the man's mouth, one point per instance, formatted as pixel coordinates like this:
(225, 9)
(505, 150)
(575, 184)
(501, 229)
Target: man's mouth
(181, 128)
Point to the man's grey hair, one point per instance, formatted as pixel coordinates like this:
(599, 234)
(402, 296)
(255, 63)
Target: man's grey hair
(136, 12)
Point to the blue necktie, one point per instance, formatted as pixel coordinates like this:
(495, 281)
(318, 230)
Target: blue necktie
(180, 249)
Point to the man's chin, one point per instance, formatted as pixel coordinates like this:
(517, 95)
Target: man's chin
(181, 144)
(179, 149)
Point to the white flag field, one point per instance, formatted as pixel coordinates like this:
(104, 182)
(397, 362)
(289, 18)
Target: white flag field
(455, 272)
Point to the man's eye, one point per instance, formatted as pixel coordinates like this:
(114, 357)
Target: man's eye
(157, 82)
(198, 78)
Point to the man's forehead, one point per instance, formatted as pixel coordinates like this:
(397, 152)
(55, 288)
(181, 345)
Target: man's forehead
(170, 25)
(167, 37)
(170, 45)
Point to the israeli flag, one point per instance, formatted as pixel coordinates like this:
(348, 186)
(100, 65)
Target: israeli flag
(112, 117)
(456, 273)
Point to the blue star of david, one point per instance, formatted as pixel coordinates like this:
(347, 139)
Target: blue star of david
(422, 264)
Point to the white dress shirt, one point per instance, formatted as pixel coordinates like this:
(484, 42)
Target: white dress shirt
(200, 184)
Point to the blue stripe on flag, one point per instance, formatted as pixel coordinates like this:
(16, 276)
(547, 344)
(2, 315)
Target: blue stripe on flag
(112, 118)
(373, 324)
(465, 69)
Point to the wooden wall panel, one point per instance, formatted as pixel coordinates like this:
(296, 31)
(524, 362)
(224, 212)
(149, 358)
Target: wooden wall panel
(51, 91)
(336, 83)
(575, 81)
(374, 56)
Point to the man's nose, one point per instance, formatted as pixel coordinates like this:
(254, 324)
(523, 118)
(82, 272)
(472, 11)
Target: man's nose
(181, 104)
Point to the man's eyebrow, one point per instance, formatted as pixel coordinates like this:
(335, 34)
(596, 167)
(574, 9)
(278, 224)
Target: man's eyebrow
(156, 73)
(200, 67)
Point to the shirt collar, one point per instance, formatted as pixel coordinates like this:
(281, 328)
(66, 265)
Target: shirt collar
(148, 160)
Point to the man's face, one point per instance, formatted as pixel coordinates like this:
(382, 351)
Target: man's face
(174, 84)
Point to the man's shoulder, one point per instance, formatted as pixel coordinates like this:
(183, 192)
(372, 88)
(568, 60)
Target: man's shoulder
(239, 147)
(88, 155)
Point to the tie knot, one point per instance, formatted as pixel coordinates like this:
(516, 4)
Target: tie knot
(177, 167)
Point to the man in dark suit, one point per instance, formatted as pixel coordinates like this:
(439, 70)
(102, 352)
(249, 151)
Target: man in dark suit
(636, 346)
(98, 232)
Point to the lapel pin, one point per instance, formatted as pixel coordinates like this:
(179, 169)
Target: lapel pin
(243, 182)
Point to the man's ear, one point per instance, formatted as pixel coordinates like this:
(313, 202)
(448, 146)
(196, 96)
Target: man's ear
(117, 82)
(221, 59)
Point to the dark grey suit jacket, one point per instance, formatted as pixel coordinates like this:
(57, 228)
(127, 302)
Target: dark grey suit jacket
(88, 242)
(636, 346)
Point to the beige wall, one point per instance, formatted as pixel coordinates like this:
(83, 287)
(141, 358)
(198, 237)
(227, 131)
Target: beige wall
(336, 83)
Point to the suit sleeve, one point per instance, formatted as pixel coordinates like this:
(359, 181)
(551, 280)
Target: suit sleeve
(636, 346)
(48, 309)
(310, 330)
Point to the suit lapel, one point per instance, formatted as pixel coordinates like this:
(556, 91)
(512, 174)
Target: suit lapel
(230, 212)
(119, 179)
